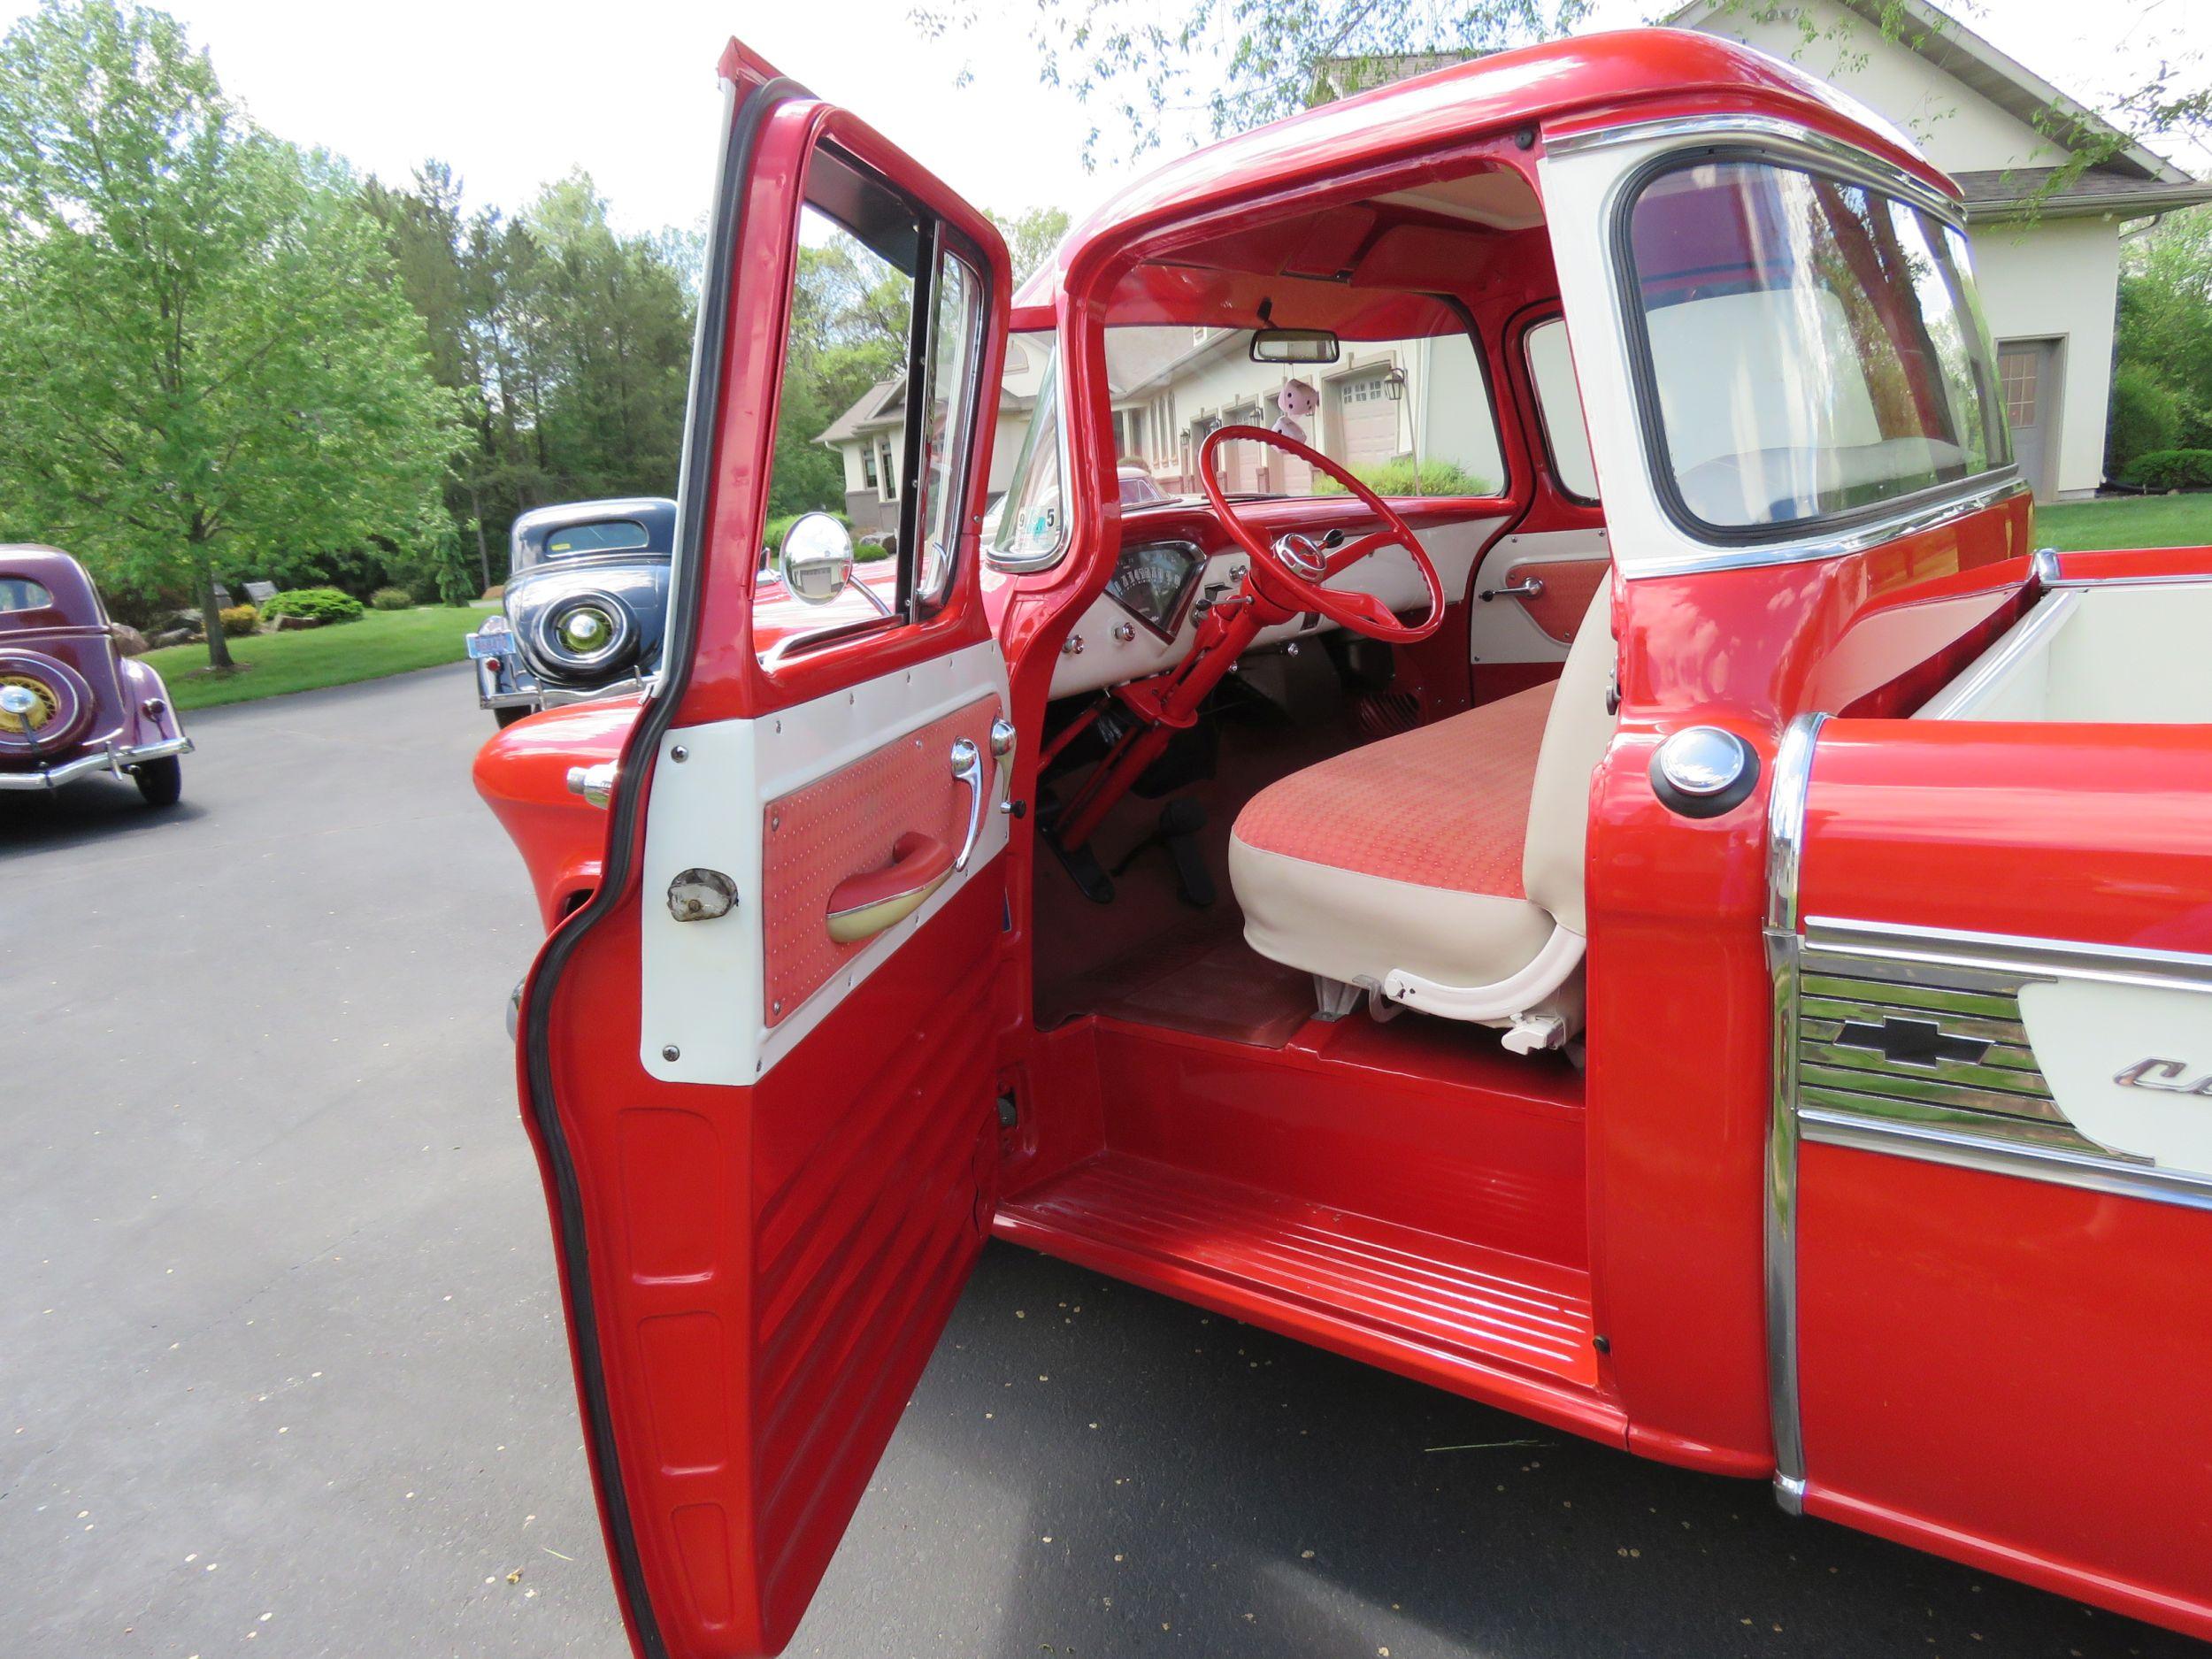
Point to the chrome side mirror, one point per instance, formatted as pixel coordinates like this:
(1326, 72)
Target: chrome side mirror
(816, 559)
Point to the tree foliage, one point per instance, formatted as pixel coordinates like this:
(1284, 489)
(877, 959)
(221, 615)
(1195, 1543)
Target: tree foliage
(568, 342)
(205, 365)
(2162, 386)
(1032, 236)
(1235, 64)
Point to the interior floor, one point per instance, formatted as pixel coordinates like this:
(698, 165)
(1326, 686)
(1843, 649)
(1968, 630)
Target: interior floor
(1151, 956)
(1405, 1191)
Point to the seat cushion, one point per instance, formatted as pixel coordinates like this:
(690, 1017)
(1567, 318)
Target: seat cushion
(1405, 854)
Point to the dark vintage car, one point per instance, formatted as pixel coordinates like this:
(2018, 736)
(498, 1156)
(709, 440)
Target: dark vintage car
(585, 594)
(71, 703)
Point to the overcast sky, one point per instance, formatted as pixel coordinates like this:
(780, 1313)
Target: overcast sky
(515, 94)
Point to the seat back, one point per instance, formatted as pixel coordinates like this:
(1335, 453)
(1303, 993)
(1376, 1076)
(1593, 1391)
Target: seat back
(1577, 734)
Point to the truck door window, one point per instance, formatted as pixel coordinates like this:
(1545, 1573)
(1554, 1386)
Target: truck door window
(876, 411)
(1551, 369)
(955, 327)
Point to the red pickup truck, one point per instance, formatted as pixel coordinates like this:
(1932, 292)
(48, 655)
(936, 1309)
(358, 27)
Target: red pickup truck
(1578, 852)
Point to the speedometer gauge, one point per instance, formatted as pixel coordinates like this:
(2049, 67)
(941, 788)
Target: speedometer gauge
(1154, 581)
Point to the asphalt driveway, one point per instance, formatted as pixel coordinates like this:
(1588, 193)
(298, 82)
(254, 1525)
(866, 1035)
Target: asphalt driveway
(282, 1371)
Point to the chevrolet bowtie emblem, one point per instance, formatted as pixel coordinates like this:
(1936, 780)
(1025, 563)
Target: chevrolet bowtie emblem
(1911, 1042)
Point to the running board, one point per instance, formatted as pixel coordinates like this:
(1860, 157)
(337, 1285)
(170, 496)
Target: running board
(1499, 1328)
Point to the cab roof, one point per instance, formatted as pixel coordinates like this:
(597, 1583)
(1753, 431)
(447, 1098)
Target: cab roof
(1584, 84)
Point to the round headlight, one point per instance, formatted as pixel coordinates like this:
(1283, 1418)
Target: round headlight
(586, 630)
(582, 638)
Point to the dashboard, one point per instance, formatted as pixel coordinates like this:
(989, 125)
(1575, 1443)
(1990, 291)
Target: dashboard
(1173, 557)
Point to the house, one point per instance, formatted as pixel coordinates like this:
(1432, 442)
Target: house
(869, 435)
(1172, 386)
(2046, 245)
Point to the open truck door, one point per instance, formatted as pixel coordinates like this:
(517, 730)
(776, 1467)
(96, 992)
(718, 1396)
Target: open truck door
(758, 1062)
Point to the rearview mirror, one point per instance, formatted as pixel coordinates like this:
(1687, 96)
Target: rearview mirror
(816, 559)
(1294, 345)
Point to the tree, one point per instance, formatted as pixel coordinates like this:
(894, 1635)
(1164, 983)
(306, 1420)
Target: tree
(609, 322)
(2162, 385)
(566, 342)
(847, 331)
(1032, 236)
(203, 354)
(1239, 63)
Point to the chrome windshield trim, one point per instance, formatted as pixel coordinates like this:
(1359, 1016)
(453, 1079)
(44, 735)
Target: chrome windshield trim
(1985, 493)
(1029, 563)
(2055, 1165)
(1785, 844)
(1772, 128)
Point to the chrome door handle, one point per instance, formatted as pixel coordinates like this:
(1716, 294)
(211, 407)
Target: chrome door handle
(1527, 588)
(967, 767)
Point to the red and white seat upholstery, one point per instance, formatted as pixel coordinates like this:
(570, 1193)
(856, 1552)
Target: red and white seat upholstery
(1443, 867)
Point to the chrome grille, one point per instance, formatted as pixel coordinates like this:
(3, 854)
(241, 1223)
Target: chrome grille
(1933, 1043)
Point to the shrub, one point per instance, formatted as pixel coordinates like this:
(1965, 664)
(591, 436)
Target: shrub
(2172, 469)
(779, 526)
(1398, 477)
(318, 604)
(391, 599)
(238, 620)
(880, 547)
(2147, 415)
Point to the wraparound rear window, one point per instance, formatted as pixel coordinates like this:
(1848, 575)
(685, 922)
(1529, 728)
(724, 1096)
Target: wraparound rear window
(606, 536)
(21, 592)
(1812, 349)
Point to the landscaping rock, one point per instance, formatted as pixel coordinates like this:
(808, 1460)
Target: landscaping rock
(178, 636)
(128, 639)
(287, 624)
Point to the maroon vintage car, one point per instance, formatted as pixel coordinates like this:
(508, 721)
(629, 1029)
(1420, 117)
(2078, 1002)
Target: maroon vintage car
(71, 702)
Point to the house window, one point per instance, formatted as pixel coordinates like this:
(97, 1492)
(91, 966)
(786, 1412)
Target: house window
(889, 487)
(2019, 372)
(868, 465)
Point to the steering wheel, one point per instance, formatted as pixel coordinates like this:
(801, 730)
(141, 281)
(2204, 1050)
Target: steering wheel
(1285, 584)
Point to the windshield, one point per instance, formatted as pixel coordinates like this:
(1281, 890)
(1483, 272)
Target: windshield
(1407, 417)
(1404, 417)
(607, 535)
(1816, 348)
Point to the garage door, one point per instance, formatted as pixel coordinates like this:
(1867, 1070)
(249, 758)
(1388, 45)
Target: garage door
(1367, 418)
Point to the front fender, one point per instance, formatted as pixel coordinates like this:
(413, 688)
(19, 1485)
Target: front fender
(522, 774)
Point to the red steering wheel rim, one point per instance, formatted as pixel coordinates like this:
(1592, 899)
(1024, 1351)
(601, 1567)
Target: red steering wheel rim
(1277, 582)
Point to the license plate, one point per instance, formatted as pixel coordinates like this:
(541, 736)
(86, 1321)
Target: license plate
(485, 645)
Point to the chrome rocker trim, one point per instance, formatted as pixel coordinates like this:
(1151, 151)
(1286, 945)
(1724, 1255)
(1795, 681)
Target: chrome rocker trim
(117, 758)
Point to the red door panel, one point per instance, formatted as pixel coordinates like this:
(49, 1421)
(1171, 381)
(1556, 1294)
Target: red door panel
(817, 839)
(1568, 586)
(785, 1257)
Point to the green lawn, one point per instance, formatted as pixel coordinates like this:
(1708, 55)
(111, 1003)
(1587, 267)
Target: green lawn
(270, 664)
(2127, 521)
